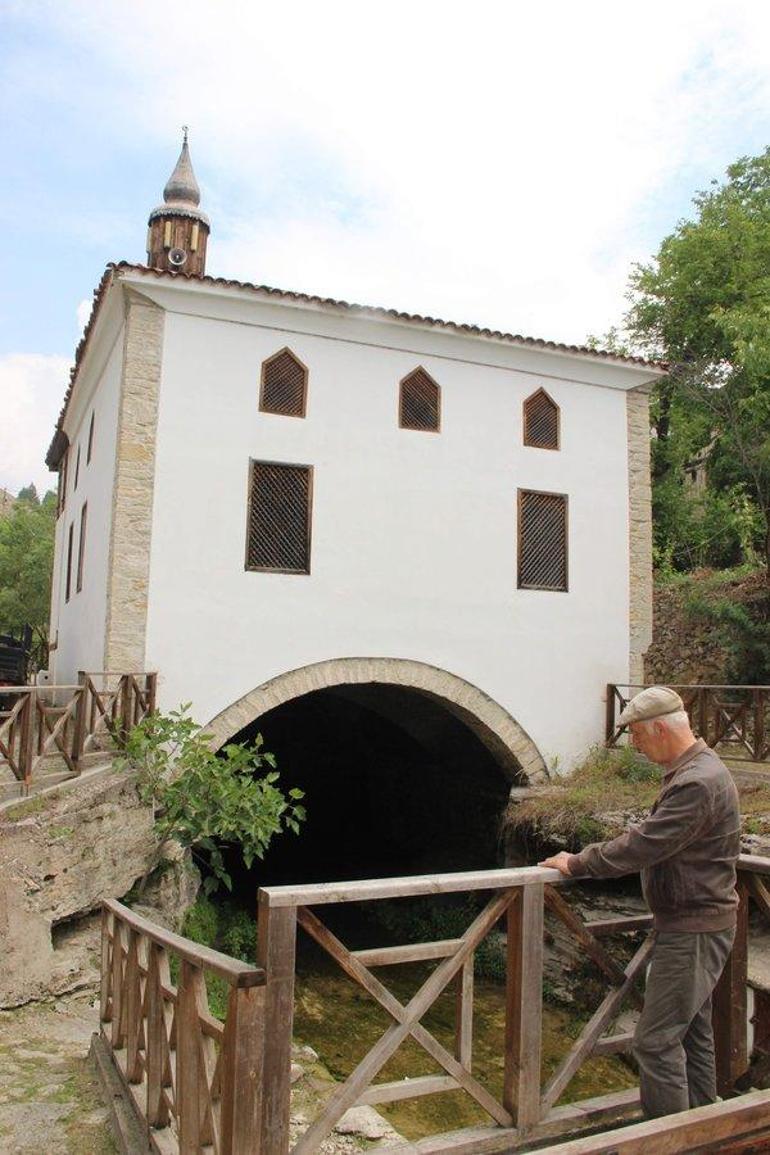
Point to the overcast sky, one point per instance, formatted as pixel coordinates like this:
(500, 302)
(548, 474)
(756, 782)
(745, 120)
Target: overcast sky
(491, 162)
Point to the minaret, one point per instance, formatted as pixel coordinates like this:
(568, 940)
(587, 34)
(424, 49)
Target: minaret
(178, 230)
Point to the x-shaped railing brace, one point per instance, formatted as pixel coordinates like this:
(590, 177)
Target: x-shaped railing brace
(407, 1021)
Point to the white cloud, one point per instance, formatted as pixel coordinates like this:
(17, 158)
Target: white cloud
(83, 312)
(494, 163)
(31, 390)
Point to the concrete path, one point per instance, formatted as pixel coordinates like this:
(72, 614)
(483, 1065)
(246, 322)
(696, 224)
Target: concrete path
(50, 1103)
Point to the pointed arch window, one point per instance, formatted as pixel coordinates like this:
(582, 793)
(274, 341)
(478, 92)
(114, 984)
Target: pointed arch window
(283, 389)
(541, 421)
(419, 405)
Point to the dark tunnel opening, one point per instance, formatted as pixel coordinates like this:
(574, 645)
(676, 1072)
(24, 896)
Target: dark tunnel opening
(395, 784)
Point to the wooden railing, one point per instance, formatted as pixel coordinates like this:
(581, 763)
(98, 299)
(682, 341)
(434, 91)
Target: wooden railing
(734, 717)
(200, 1085)
(193, 1080)
(67, 722)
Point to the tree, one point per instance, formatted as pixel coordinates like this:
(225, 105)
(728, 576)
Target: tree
(703, 304)
(26, 562)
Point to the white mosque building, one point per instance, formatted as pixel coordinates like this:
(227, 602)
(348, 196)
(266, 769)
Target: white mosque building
(265, 494)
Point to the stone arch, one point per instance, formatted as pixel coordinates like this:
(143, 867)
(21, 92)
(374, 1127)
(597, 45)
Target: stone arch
(504, 737)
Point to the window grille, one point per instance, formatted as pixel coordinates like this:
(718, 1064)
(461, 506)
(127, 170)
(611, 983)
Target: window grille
(63, 474)
(419, 402)
(280, 499)
(90, 448)
(542, 541)
(284, 385)
(77, 471)
(541, 421)
(81, 547)
(68, 589)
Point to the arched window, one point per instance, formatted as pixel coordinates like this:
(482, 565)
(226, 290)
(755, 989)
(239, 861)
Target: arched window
(541, 421)
(284, 385)
(419, 405)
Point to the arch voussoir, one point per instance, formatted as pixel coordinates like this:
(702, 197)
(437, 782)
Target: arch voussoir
(498, 730)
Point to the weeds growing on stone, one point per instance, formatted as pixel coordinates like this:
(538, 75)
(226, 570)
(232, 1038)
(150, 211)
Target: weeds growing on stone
(597, 801)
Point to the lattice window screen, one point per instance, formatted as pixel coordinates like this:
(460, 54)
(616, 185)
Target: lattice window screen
(542, 541)
(284, 385)
(541, 421)
(279, 517)
(419, 402)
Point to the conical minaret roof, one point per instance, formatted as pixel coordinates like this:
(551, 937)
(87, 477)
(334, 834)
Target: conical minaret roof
(182, 194)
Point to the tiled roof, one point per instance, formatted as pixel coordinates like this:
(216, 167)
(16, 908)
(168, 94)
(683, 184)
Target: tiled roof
(330, 302)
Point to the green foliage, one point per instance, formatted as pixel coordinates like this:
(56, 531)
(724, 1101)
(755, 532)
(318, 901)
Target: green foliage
(703, 304)
(226, 927)
(201, 922)
(433, 919)
(206, 800)
(627, 763)
(590, 805)
(744, 634)
(26, 562)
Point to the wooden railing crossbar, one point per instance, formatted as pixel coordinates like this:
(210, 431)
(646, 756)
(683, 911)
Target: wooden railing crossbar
(719, 714)
(202, 1085)
(39, 725)
(193, 1079)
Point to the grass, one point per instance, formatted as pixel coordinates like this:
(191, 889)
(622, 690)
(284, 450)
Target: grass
(607, 789)
(709, 578)
(26, 809)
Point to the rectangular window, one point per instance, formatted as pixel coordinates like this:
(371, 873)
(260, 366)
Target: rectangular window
(90, 448)
(542, 540)
(68, 588)
(63, 481)
(82, 547)
(280, 502)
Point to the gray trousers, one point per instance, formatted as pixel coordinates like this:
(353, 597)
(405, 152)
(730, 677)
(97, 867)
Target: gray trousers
(673, 1041)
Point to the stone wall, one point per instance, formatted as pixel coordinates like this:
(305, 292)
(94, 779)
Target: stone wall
(685, 649)
(639, 530)
(61, 853)
(129, 564)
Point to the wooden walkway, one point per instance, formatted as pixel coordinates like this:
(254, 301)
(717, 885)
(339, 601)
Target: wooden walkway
(200, 1085)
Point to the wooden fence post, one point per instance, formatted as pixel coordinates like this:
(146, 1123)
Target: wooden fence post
(242, 1064)
(80, 720)
(27, 743)
(152, 692)
(124, 692)
(524, 1007)
(609, 724)
(729, 1007)
(276, 947)
(188, 1060)
(759, 724)
(157, 1046)
(105, 993)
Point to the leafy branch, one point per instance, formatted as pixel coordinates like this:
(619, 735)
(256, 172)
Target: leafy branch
(207, 800)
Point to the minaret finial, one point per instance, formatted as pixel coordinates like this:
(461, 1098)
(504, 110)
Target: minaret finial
(178, 229)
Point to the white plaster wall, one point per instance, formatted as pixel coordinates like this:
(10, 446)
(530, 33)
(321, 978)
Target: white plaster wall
(81, 621)
(414, 534)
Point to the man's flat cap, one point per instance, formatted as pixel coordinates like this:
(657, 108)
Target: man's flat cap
(653, 702)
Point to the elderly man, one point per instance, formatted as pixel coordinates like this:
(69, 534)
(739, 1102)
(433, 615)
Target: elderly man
(686, 851)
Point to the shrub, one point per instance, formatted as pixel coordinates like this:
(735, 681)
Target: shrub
(207, 800)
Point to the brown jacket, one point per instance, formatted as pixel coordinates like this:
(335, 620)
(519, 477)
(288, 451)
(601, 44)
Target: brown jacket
(686, 850)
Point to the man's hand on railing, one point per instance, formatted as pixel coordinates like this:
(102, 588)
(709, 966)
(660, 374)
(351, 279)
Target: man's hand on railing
(559, 861)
